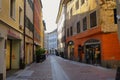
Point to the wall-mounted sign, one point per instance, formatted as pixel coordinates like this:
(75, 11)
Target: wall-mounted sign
(13, 34)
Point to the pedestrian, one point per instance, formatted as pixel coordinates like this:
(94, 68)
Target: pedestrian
(97, 54)
(87, 56)
(91, 56)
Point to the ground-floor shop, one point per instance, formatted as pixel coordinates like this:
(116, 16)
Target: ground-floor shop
(2, 54)
(11, 49)
(102, 49)
(29, 50)
(14, 49)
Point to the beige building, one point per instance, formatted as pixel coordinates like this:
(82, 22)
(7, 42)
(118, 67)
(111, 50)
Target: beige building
(11, 35)
(29, 28)
(60, 21)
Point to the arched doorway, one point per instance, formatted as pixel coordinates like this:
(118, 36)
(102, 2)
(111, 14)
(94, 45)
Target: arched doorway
(70, 50)
(92, 51)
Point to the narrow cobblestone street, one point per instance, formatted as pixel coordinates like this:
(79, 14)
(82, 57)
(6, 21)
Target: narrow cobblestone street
(57, 68)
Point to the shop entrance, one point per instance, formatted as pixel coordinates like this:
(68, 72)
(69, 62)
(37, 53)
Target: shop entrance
(8, 54)
(71, 50)
(92, 51)
(80, 51)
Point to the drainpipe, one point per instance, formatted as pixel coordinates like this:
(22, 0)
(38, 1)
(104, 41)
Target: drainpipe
(65, 51)
(33, 33)
(23, 61)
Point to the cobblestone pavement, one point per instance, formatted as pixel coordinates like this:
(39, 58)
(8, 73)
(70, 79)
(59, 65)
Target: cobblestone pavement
(56, 68)
(80, 71)
(36, 71)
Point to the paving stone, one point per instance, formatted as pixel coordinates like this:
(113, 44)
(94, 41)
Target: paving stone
(56, 68)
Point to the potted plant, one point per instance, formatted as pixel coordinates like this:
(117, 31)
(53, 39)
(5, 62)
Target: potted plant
(40, 55)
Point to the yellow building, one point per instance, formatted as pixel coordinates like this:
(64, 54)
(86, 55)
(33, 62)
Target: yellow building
(11, 34)
(41, 30)
(29, 28)
(42, 33)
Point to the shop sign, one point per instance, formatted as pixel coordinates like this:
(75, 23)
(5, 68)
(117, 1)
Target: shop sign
(13, 34)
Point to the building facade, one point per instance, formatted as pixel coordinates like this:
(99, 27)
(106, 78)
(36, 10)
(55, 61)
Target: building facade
(52, 42)
(37, 24)
(60, 21)
(17, 33)
(46, 41)
(89, 24)
(61, 29)
(29, 29)
(43, 33)
(11, 35)
(118, 17)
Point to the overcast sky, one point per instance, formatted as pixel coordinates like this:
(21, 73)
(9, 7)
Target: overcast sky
(50, 10)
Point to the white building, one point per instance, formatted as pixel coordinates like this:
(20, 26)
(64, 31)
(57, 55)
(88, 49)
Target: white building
(46, 41)
(52, 42)
(60, 21)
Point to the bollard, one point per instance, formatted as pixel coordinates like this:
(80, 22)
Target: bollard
(118, 74)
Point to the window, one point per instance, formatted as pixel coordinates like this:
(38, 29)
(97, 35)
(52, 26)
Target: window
(71, 31)
(115, 14)
(93, 19)
(68, 32)
(77, 4)
(78, 27)
(12, 9)
(67, 15)
(71, 12)
(84, 24)
(31, 3)
(20, 17)
(82, 2)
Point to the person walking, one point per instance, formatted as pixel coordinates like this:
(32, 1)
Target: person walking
(97, 54)
(87, 56)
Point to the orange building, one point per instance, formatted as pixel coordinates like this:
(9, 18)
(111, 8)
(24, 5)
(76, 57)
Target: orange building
(37, 19)
(38, 24)
(91, 24)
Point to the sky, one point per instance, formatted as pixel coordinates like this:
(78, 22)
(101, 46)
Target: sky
(50, 10)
